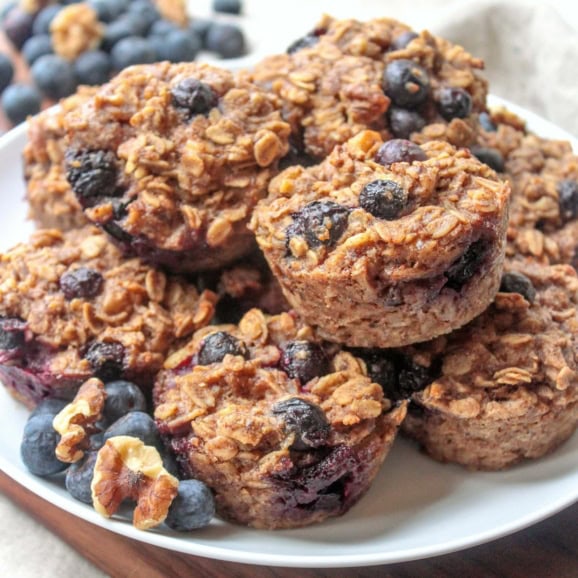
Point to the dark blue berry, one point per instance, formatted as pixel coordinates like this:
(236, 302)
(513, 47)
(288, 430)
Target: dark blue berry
(517, 283)
(568, 199)
(304, 360)
(306, 41)
(44, 19)
(466, 266)
(200, 26)
(193, 97)
(137, 424)
(92, 175)
(38, 445)
(81, 283)
(304, 419)
(192, 508)
(6, 71)
(399, 150)
(108, 10)
(117, 31)
(226, 40)
(216, 345)
(130, 51)
(403, 40)
(6, 9)
(321, 223)
(227, 6)
(179, 46)
(96, 440)
(17, 25)
(383, 199)
(122, 397)
(11, 333)
(54, 76)
(489, 156)
(93, 67)
(454, 103)
(406, 83)
(403, 122)
(50, 406)
(162, 28)
(35, 47)
(20, 101)
(106, 359)
(79, 477)
(145, 12)
(487, 123)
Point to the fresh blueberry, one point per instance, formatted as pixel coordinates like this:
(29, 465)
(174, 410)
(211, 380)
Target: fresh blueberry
(163, 27)
(489, 156)
(194, 97)
(50, 406)
(518, 283)
(17, 25)
(192, 508)
(122, 397)
(304, 360)
(96, 440)
(12, 333)
(35, 47)
(20, 101)
(81, 283)
(228, 6)
(91, 174)
(200, 26)
(44, 19)
(306, 420)
(404, 122)
(124, 27)
(399, 150)
(216, 345)
(226, 40)
(454, 103)
(106, 359)
(130, 51)
(137, 424)
(93, 67)
(307, 41)
(6, 71)
(108, 10)
(54, 76)
(466, 266)
(179, 46)
(79, 477)
(321, 223)
(487, 123)
(7, 8)
(403, 40)
(383, 199)
(406, 83)
(568, 199)
(38, 446)
(144, 11)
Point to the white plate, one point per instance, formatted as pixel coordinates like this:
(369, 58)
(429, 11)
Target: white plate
(415, 509)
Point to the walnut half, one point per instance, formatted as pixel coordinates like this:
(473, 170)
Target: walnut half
(126, 469)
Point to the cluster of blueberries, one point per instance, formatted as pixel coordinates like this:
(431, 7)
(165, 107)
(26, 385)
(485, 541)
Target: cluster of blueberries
(124, 414)
(135, 33)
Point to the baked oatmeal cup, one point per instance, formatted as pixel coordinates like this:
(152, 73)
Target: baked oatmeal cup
(386, 244)
(286, 430)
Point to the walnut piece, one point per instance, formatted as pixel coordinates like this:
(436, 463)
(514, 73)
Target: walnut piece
(126, 469)
(174, 10)
(75, 423)
(74, 30)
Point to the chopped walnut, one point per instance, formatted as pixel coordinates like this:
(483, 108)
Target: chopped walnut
(126, 469)
(75, 423)
(174, 10)
(74, 30)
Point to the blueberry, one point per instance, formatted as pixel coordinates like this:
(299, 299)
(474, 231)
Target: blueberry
(487, 123)
(91, 174)
(35, 47)
(454, 103)
(20, 101)
(227, 6)
(489, 156)
(122, 397)
(44, 19)
(137, 424)
(320, 222)
(383, 199)
(116, 31)
(194, 97)
(200, 26)
(81, 283)
(49, 406)
(145, 12)
(17, 25)
(403, 122)
(54, 76)
(406, 83)
(130, 51)
(4, 11)
(108, 10)
(6, 71)
(226, 40)
(106, 359)
(403, 39)
(568, 199)
(192, 508)
(304, 360)
(466, 266)
(96, 440)
(93, 67)
(216, 345)
(11, 333)
(79, 477)
(307, 41)
(162, 28)
(179, 46)
(38, 445)
(517, 283)
(399, 150)
(306, 420)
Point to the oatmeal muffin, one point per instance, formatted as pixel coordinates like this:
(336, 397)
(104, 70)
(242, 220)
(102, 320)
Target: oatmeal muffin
(346, 76)
(507, 388)
(52, 204)
(71, 308)
(386, 244)
(285, 430)
(171, 158)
